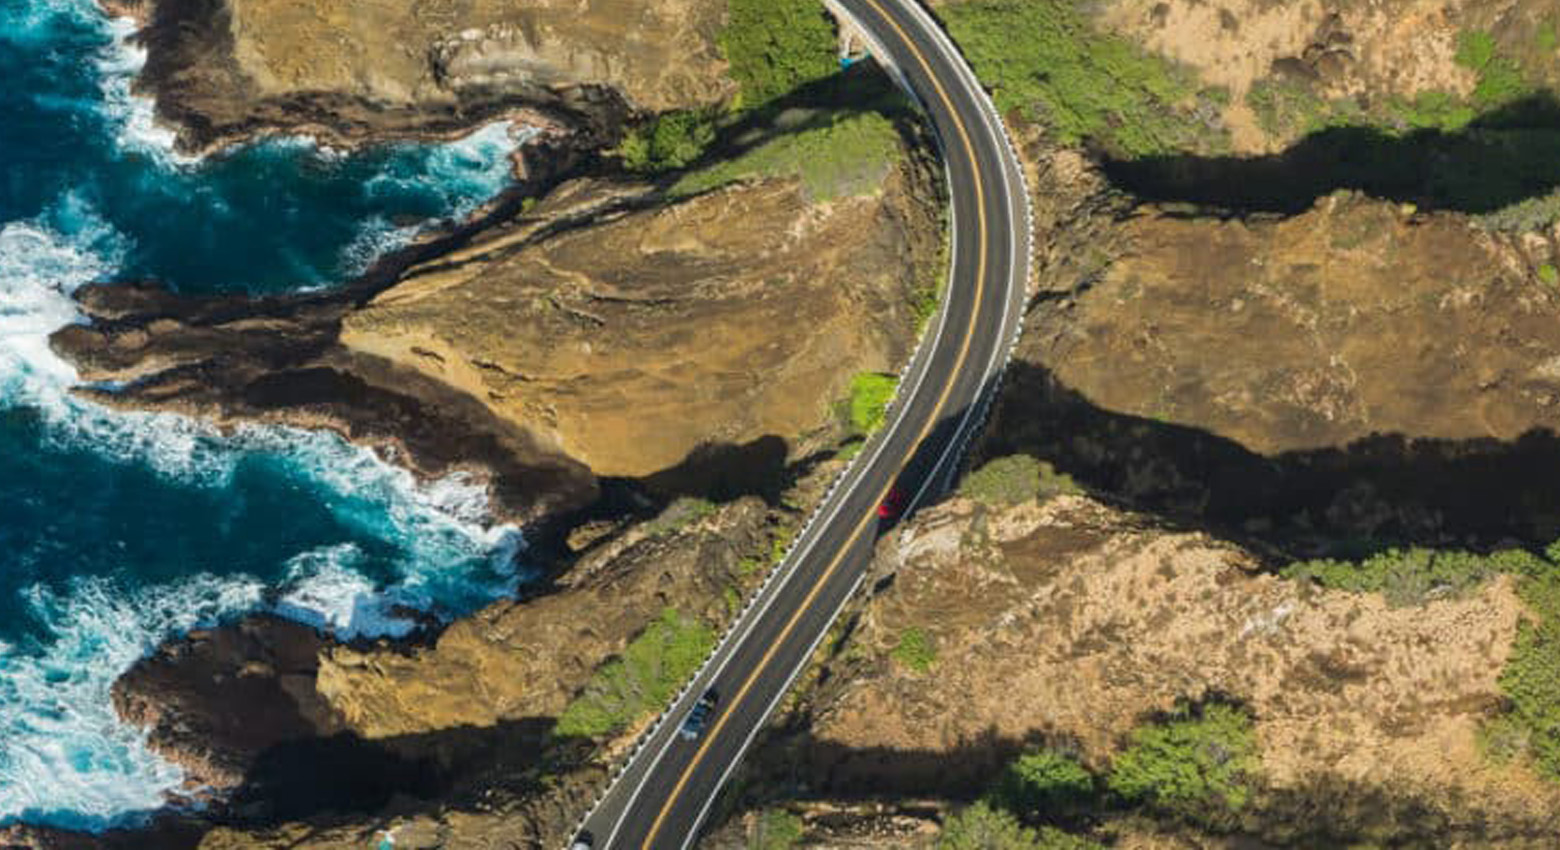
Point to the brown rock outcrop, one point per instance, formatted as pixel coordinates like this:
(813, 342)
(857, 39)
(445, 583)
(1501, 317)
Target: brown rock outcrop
(629, 343)
(1072, 621)
(346, 70)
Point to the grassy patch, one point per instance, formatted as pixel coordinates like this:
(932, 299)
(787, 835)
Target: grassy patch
(668, 141)
(776, 829)
(1549, 274)
(847, 154)
(915, 650)
(1197, 764)
(1044, 59)
(681, 513)
(1014, 479)
(870, 393)
(774, 46)
(635, 685)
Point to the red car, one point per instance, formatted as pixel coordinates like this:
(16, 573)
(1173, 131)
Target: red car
(893, 504)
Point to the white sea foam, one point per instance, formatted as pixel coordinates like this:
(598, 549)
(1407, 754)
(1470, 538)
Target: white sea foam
(136, 116)
(465, 173)
(64, 757)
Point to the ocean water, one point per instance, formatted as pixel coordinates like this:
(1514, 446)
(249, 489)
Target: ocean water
(119, 530)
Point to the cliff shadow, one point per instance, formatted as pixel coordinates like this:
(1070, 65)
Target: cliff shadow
(1319, 811)
(1506, 155)
(1347, 501)
(345, 774)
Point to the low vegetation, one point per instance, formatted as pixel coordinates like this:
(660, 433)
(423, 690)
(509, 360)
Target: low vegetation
(681, 513)
(915, 650)
(1411, 576)
(1289, 108)
(1525, 216)
(841, 155)
(1197, 765)
(1530, 727)
(776, 46)
(1014, 479)
(1045, 60)
(776, 829)
(870, 394)
(1045, 784)
(983, 826)
(668, 142)
(640, 682)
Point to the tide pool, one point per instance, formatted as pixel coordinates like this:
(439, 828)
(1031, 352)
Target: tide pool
(119, 530)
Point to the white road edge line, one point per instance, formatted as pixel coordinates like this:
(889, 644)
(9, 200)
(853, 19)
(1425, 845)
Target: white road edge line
(1000, 353)
(921, 359)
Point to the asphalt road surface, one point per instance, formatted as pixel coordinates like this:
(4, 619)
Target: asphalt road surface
(662, 797)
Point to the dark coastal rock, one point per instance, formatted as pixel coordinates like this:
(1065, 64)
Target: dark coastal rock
(216, 700)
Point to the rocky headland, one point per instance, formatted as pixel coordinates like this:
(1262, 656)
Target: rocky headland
(224, 71)
(1289, 304)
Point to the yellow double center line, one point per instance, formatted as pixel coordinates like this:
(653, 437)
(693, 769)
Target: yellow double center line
(980, 282)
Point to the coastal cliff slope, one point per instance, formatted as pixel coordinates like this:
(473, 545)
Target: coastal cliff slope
(223, 70)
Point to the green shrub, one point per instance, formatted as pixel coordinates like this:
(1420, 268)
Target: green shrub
(1475, 49)
(1500, 79)
(1045, 59)
(870, 394)
(982, 826)
(1433, 110)
(1198, 764)
(651, 668)
(1525, 216)
(776, 829)
(1531, 678)
(774, 46)
(915, 650)
(1014, 479)
(1412, 576)
(1044, 784)
(845, 155)
(1549, 274)
(1004, 481)
(668, 142)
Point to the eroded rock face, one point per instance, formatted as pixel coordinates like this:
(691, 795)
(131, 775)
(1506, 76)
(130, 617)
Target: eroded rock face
(1072, 621)
(351, 70)
(629, 343)
(1359, 317)
(518, 660)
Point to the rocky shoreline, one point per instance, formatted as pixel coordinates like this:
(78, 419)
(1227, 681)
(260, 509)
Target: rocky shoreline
(1210, 367)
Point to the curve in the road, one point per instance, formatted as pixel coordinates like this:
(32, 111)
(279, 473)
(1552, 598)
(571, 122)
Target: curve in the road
(665, 789)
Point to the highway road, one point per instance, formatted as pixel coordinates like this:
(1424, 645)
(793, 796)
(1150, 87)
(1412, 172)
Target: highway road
(665, 791)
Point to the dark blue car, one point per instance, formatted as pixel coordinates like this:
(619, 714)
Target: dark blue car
(699, 716)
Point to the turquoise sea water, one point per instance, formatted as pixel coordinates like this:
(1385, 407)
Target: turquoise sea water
(118, 530)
